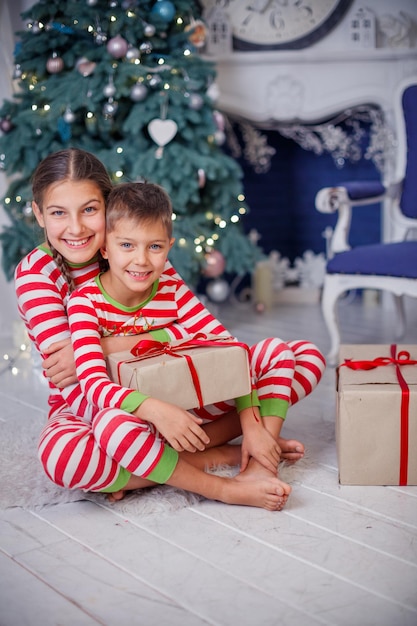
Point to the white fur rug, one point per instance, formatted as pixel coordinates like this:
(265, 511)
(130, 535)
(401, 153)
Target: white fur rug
(24, 484)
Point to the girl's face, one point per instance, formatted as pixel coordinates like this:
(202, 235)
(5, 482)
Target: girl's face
(73, 217)
(136, 254)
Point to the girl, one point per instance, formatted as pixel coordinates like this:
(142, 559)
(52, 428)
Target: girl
(70, 189)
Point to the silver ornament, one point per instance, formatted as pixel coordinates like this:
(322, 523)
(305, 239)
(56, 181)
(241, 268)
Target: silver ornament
(132, 53)
(219, 137)
(149, 30)
(109, 90)
(218, 290)
(138, 92)
(145, 47)
(100, 38)
(155, 81)
(110, 108)
(69, 116)
(27, 209)
(196, 101)
(91, 3)
(17, 72)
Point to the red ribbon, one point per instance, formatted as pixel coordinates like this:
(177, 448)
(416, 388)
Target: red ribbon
(147, 348)
(403, 358)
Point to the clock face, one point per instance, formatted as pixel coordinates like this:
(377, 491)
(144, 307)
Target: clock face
(281, 24)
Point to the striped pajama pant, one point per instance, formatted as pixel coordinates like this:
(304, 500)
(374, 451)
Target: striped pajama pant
(77, 454)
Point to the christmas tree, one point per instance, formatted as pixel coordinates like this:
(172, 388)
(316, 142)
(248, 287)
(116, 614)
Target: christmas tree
(127, 81)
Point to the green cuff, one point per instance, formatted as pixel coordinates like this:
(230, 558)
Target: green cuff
(166, 465)
(132, 401)
(245, 402)
(120, 482)
(160, 334)
(274, 407)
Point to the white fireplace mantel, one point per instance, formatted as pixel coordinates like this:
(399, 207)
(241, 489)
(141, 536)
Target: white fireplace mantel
(269, 88)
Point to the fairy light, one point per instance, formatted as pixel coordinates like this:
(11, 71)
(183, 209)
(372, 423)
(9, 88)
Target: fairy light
(234, 219)
(118, 174)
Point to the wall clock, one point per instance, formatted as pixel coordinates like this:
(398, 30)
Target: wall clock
(281, 24)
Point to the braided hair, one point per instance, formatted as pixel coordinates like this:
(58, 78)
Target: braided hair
(71, 164)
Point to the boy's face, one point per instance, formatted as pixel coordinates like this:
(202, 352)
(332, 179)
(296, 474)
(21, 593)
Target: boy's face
(136, 254)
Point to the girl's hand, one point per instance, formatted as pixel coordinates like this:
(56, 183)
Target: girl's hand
(59, 366)
(179, 427)
(260, 444)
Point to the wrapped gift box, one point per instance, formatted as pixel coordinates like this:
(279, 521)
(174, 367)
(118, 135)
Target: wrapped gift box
(376, 426)
(222, 373)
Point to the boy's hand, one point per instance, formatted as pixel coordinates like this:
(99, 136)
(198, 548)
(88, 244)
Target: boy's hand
(260, 444)
(179, 427)
(59, 366)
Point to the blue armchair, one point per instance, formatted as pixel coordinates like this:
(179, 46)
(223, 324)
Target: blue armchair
(391, 265)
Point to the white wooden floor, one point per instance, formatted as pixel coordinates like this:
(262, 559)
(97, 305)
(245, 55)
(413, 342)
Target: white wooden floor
(334, 555)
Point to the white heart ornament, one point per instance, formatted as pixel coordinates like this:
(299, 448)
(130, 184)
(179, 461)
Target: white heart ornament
(162, 131)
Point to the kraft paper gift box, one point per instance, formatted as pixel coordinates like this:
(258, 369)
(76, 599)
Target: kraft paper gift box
(220, 372)
(376, 425)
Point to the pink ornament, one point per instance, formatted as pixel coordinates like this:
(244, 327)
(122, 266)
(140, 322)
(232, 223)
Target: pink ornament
(54, 65)
(215, 264)
(6, 125)
(201, 177)
(117, 47)
(85, 67)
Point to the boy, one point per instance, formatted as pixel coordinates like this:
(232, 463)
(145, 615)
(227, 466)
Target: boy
(154, 441)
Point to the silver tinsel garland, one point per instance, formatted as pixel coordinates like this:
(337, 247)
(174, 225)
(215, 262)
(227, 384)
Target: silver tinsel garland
(343, 137)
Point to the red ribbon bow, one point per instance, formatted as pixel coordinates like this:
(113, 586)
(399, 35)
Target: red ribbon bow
(146, 348)
(403, 358)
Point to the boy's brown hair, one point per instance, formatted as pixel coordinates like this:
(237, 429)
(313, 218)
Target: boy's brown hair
(141, 202)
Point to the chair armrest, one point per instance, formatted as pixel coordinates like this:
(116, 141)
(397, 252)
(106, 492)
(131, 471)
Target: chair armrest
(342, 199)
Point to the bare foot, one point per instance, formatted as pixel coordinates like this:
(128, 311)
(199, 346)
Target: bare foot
(116, 495)
(270, 493)
(291, 450)
(257, 472)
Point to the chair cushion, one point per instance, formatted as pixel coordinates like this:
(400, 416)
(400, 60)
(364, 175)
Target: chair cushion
(389, 259)
(361, 189)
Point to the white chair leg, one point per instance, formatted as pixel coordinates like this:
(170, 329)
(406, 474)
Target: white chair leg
(329, 300)
(399, 316)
